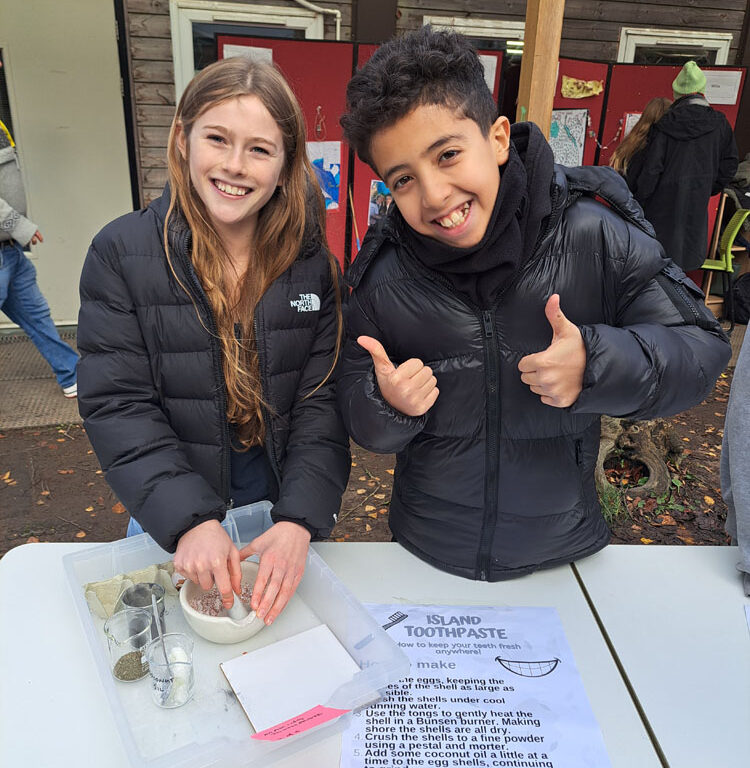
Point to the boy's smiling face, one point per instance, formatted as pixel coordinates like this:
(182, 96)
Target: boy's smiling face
(443, 173)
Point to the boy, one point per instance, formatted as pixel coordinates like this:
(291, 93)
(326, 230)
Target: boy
(496, 312)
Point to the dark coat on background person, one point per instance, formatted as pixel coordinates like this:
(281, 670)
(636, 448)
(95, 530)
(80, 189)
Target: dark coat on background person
(690, 156)
(491, 483)
(151, 385)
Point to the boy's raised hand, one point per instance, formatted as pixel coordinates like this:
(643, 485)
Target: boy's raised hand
(557, 373)
(411, 388)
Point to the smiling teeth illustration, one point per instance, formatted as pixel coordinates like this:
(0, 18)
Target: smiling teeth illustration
(455, 218)
(230, 190)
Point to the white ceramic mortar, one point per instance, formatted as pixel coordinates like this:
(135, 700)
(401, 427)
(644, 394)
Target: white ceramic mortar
(221, 629)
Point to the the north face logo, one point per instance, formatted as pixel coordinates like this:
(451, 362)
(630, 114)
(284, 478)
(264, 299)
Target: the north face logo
(307, 302)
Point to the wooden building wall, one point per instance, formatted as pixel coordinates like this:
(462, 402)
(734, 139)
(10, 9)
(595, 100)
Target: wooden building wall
(149, 46)
(591, 28)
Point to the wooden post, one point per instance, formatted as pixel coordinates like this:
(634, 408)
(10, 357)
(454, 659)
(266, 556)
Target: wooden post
(541, 51)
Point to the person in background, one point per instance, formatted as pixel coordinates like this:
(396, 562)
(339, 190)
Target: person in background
(735, 467)
(20, 297)
(496, 312)
(209, 330)
(690, 156)
(627, 159)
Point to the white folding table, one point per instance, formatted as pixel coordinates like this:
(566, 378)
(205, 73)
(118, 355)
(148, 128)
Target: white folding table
(675, 617)
(53, 710)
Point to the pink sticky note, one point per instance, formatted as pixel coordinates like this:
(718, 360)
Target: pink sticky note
(315, 716)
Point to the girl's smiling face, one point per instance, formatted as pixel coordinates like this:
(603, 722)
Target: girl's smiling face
(442, 171)
(235, 154)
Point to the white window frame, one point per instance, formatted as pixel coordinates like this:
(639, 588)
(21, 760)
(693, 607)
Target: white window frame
(182, 14)
(505, 30)
(630, 37)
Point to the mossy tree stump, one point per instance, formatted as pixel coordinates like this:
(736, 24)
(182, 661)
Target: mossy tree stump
(653, 443)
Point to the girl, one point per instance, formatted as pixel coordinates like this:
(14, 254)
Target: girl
(209, 328)
(627, 159)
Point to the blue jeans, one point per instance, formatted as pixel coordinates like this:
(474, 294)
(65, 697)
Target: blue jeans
(23, 302)
(134, 528)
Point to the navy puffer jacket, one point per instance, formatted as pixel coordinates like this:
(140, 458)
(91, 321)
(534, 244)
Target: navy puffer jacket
(491, 483)
(151, 387)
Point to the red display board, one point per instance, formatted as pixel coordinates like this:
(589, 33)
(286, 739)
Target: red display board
(631, 86)
(584, 70)
(317, 72)
(362, 177)
(365, 182)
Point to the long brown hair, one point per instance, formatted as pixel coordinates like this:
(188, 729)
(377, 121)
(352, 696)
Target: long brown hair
(635, 141)
(294, 211)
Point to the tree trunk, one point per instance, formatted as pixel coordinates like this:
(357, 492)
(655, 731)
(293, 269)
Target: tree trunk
(653, 443)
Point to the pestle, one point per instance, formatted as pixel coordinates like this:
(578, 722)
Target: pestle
(237, 612)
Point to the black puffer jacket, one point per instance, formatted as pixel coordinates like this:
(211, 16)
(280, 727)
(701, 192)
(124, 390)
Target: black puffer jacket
(151, 387)
(690, 155)
(491, 483)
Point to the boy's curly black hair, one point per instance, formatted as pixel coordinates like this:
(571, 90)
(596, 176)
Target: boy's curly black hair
(422, 67)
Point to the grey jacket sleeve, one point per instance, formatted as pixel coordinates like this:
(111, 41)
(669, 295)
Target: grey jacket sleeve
(15, 224)
(735, 452)
(663, 351)
(370, 420)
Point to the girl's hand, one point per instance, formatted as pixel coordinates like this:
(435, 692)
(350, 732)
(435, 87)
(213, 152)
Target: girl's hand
(283, 551)
(207, 556)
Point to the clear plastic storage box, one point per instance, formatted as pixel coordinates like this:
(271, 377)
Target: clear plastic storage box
(212, 729)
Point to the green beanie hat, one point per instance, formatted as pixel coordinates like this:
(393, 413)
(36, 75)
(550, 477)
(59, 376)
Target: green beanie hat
(689, 80)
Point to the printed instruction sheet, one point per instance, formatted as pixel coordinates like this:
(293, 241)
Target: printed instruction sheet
(488, 688)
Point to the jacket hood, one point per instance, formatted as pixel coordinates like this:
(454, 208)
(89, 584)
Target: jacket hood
(688, 118)
(607, 185)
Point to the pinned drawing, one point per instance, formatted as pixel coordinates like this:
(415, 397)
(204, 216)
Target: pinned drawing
(631, 118)
(567, 134)
(325, 157)
(528, 668)
(380, 199)
(575, 88)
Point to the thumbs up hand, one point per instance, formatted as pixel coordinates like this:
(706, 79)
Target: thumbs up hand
(557, 373)
(411, 388)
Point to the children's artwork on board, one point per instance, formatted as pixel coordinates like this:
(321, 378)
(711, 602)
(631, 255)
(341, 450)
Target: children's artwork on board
(325, 157)
(380, 199)
(631, 118)
(567, 134)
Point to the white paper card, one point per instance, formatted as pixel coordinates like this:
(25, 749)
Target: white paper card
(722, 87)
(631, 118)
(489, 64)
(250, 52)
(488, 687)
(289, 677)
